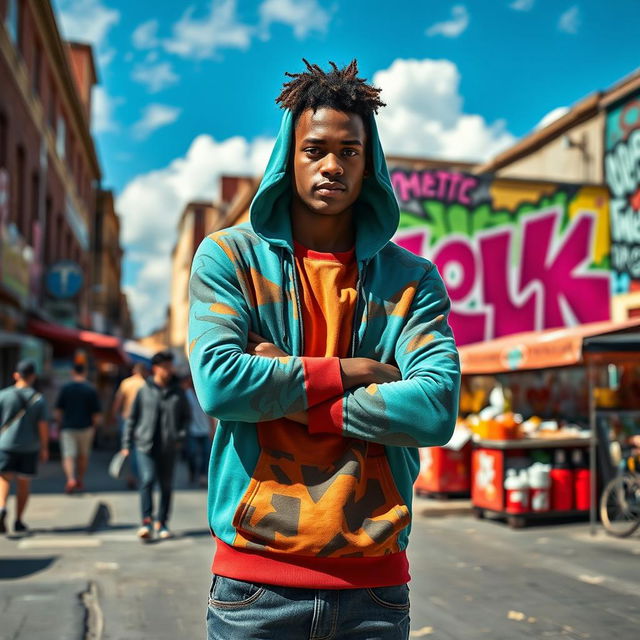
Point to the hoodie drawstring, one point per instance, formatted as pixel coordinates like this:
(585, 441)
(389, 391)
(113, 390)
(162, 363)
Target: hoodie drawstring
(285, 295)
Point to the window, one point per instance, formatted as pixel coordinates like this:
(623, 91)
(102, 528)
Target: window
(52, 104)
(37, 69)
(50, 231)
(12, 20)
(61, 137)
(20, 213)
(4, 142)
(35, 205)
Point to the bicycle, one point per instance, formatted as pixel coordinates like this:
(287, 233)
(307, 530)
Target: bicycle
(620, 501)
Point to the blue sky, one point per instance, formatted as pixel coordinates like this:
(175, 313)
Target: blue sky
(187, 90)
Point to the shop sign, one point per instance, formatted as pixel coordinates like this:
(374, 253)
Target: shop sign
(64, 279)
(622, 174)
(15, 263)
(515, 255)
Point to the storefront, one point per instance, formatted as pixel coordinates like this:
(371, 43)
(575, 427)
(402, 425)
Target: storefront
(553, 403)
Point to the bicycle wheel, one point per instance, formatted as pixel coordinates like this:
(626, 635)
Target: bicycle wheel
(620, 505)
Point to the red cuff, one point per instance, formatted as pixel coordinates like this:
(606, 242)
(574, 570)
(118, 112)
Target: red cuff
(326, 417)
(322, 379)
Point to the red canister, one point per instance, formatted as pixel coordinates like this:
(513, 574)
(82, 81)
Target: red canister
(581, 481)
(561, 483)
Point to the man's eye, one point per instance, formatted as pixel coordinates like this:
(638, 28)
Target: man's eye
(350, 153)
(313, 151)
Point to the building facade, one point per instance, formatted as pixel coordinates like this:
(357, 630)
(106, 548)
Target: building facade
(197, 221)
(50, 180)
(597, 141)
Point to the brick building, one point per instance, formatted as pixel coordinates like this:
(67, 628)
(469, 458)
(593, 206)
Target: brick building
(50, 181)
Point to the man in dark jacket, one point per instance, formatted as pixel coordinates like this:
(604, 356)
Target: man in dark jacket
(157, 425)
(24, 437)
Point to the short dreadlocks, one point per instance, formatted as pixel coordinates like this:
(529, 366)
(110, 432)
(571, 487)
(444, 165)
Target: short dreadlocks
(339, 89)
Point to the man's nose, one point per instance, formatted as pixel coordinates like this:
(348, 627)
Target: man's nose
(331, 165)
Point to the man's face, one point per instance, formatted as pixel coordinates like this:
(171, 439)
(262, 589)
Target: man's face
(163, 371)
(328, 160)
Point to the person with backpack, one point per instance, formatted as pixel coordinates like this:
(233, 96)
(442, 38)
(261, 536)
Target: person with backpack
(24, 437)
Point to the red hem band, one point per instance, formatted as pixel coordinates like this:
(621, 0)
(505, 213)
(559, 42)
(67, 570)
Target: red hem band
(310, 572)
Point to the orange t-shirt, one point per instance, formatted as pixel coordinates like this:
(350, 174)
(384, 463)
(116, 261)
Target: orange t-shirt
(328, 300)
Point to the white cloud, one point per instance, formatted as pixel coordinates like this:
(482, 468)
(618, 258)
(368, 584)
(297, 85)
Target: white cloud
(151, 204)
(201, 38)
(570, 20)
(154, 117)
(522, 5)
(145, 36)
(425, 115)
(102, 108)
(454, 27)
(552, 116)
(155, 77)
(303, 16)
(88, 21)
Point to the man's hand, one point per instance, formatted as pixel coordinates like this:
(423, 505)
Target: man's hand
(124, 452)
(359, 372)
(356, 372)
(259, 346)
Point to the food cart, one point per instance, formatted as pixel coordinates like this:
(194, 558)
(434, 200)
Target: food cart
(587, 376)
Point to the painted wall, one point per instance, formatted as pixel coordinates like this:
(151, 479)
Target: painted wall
(556, 160)
(622, 174)
(515, 255)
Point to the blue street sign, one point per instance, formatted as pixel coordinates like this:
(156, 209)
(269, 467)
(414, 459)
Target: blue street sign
(64, 279)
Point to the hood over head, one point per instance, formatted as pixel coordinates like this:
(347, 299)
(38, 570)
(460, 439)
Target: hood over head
(376, 211)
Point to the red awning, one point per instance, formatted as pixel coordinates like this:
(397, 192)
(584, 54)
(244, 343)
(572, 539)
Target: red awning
(536, 349)
(104, 347)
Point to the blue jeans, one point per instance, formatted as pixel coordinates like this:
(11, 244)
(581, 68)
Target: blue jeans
(156, 465)
(247, 611)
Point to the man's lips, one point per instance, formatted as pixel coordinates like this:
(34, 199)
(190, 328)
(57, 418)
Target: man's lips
(330, 188)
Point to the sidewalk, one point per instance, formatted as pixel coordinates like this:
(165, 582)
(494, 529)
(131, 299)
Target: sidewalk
(84, 565)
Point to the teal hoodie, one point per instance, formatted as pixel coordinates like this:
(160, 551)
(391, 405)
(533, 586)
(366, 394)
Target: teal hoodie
(328, 505)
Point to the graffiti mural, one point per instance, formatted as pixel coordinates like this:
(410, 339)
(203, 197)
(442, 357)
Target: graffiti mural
(515, 255)
(622, 174)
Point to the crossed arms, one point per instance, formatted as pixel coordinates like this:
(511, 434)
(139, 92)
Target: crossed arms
(241, 376)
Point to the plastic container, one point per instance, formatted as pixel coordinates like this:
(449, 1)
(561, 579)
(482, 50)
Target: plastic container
(581, 481)
(561, 483)
(516, 487)
(540, 484)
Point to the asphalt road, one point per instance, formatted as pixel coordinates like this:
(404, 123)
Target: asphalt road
(471, 579)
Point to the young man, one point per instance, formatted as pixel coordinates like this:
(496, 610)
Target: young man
(77, 412)
(122, 403)
(24, 436)
(324, 350)
(156, 425)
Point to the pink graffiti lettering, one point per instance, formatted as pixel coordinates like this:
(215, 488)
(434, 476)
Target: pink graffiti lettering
(445, 186)
(549, 286)
(561, 270)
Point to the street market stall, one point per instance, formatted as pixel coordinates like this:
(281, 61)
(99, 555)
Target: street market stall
(541, 448)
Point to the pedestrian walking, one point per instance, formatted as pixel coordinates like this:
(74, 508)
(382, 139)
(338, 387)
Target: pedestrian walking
(324, 349)
(199, 436)
(156, 426)
(24, 437)
(121, 409)
(77, 411)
